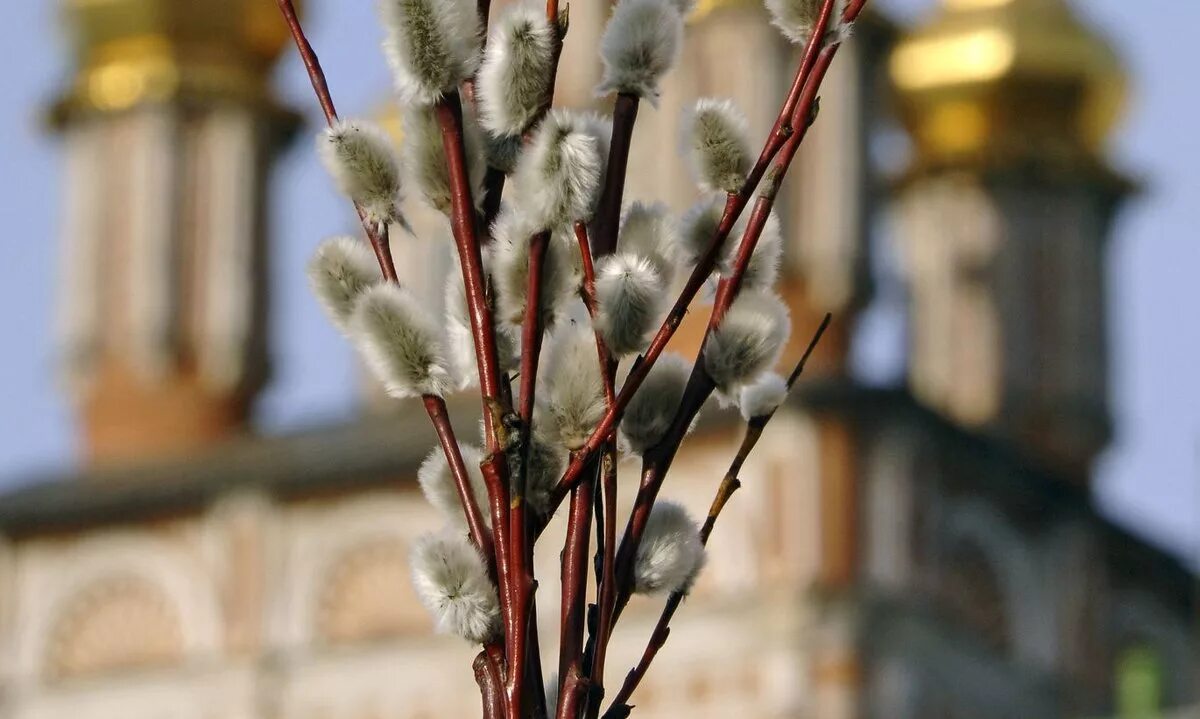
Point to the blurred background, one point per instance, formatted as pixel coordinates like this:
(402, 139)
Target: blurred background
(984, 503)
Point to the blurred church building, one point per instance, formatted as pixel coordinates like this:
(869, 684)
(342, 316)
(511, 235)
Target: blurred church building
(925, 549)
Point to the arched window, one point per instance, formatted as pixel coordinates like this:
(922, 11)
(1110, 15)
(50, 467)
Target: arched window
(119, 623)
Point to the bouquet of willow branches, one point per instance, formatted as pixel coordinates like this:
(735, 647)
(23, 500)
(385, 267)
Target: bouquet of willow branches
(551, 256)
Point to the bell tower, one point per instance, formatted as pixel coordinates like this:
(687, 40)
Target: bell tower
(169, 127)
(1004, 216)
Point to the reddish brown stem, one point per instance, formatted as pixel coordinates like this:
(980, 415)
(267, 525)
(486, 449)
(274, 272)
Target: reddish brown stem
(462, 222)
(608, 209)
(489, 677)
(733, 208)
(521, 555)
(574, 599)
(312, 64)
(607, 594)
(782, 129)
(729, 484)
(481, 536)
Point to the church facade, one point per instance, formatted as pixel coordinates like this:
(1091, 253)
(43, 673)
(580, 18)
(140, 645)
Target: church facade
(924, 551)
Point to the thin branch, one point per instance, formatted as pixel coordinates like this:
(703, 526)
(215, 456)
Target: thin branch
(378, 236)
(734, 205)
(608, 209)
(489, 677)
(730, 483)
(521, 550)
(481, 536)
(574, 600)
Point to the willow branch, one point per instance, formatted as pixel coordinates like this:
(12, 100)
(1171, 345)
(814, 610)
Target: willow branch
(657, 460)
(574, 601)
(730, 483)
(608, 209)
(378, 236)
(481, 536)
(809, 76)
(489, 677)
(521, 550)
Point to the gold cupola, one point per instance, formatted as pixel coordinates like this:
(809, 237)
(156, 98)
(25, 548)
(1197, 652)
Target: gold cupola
(133, 52)
(1006, 80)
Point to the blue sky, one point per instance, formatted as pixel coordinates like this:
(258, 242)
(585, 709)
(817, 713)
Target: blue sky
(1149, 479)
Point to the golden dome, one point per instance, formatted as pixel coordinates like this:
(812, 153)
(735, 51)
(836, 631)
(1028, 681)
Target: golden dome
(1006, 78)
(133, 51)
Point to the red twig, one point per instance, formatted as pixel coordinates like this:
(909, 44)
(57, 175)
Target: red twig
(810, 82)
(574, 600)
(608, 208)
(481, 536)
(730, 483)
(462, 222)
(377, 236)
(521, 554)
(489, 677)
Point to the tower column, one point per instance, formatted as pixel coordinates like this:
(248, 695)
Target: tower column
(1004, 218)
(169, 129)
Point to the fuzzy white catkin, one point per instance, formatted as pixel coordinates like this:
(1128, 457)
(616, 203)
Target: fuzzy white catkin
(714, 138)
(546, 464)
(649, 230)
(653, 406)
(573, 396)
(641, 42)
(460, 342)
(451, 580)
(424, 157)
(762, 271)
(557, 180)
(630, 301)
(340, 270)
(670, 554)
(360, 157)
(511, 233)
(763, 396)
(431, 46)
(400, 342)
(797, 18)
(513, 83)
(698, 227)
(440, 490)
(748, 340)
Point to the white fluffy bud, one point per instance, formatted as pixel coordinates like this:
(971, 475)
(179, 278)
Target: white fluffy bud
(762, 272)
(748, 341)
(797, 18)
(425, 157)
(340, 270)
(546, 463)
(670, 554)
(573, 395)
(360, 157)
(399, 342)
(437, 483)
(640, 44)
(650, 231)
(518, 63)
(557, 180)
(630, 298)
(699, 226)
(653, 406)
(763, 396)
(511, 233)
(714, 139)
(452, 582)
(460, 342)
(431, 46)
